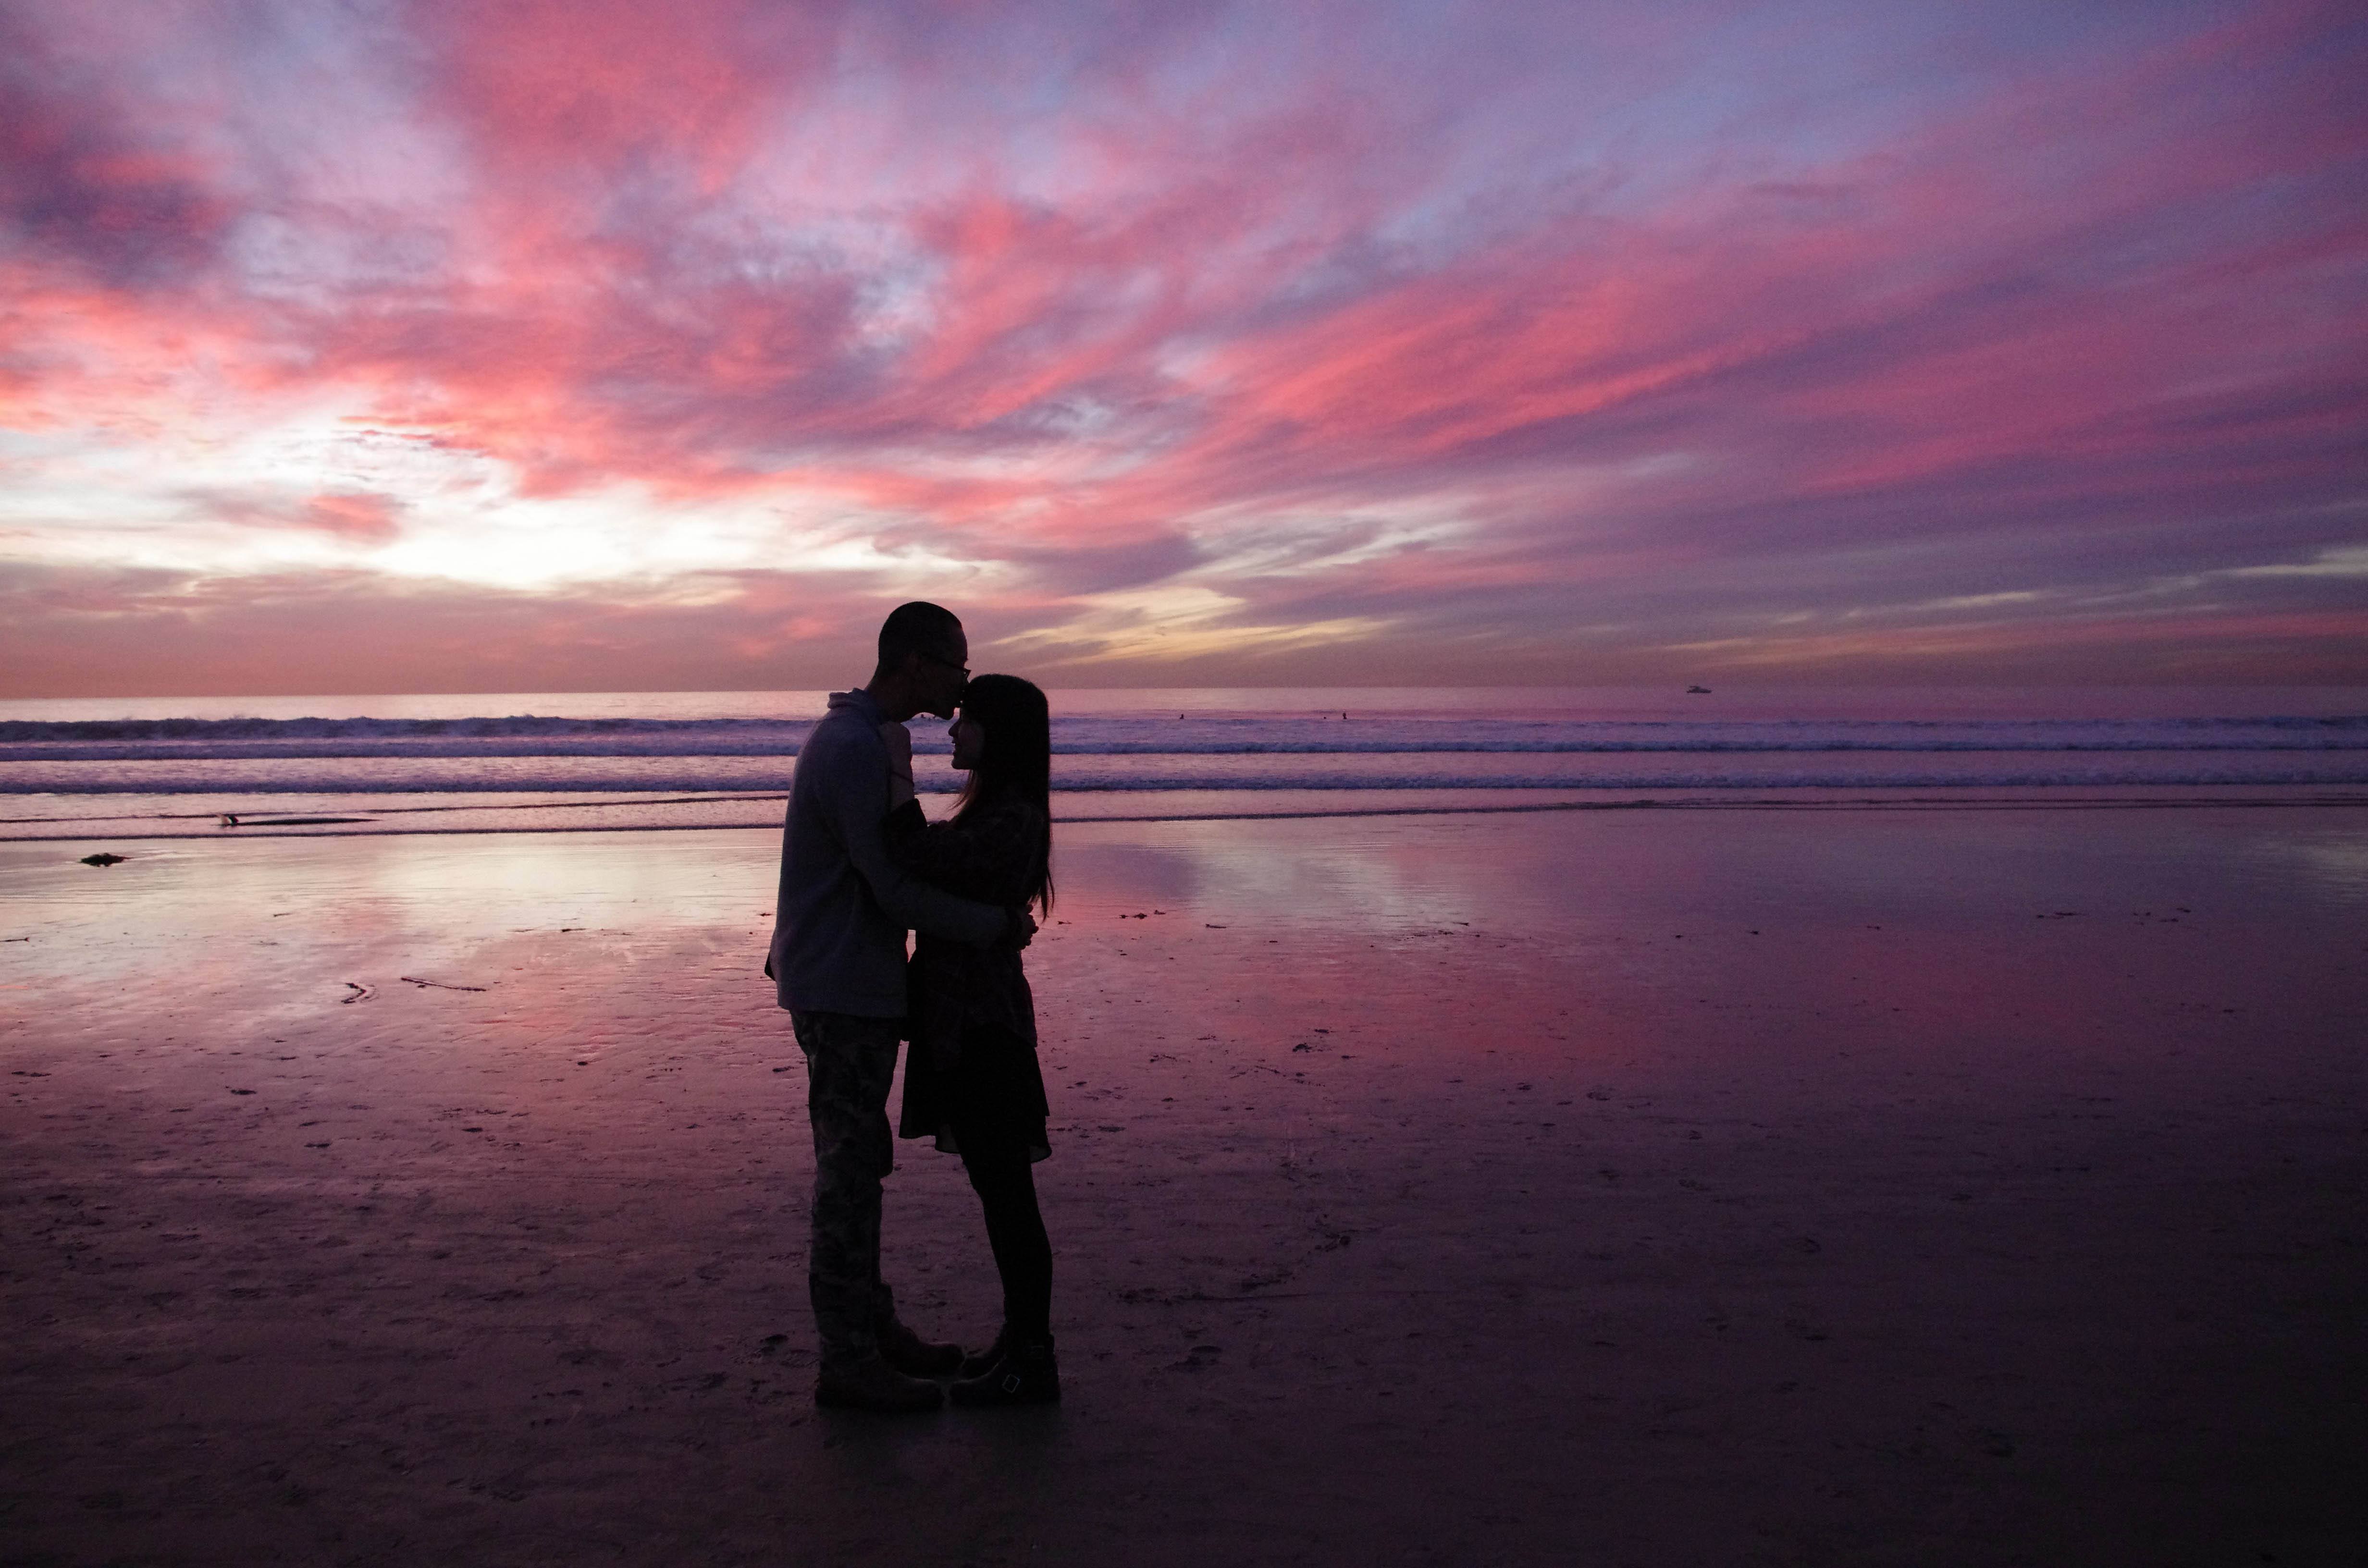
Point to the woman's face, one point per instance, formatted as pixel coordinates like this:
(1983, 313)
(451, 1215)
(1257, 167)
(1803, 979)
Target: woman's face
(969, 739)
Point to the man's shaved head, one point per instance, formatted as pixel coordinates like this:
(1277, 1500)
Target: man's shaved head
(917, 627)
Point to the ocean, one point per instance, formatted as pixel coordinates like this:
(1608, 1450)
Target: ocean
(549, 762)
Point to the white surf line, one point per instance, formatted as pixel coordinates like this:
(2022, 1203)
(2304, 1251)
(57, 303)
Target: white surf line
(1696, 804)
(624, 798)
(1859, 804)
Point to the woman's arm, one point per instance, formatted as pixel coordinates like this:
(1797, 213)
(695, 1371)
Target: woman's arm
(990, 857)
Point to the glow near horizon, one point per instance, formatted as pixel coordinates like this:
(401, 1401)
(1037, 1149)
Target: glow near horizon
(539, 348)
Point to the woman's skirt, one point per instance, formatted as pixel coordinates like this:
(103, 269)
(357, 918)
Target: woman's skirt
(992, 1083)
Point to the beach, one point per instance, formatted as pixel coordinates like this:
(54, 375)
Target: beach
(1625, 1186)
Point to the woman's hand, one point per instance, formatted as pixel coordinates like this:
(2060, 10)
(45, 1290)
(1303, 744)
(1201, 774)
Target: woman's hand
(899, 742)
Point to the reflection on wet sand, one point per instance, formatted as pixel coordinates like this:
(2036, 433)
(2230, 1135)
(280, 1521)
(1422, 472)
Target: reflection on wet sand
(1722, 1185)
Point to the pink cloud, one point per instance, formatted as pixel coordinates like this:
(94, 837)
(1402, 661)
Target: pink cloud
(562, 96)
(363, 519)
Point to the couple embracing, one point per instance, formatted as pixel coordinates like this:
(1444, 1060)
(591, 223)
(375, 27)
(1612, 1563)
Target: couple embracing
(860, 865)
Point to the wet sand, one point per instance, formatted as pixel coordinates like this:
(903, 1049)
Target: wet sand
(1631, 1187)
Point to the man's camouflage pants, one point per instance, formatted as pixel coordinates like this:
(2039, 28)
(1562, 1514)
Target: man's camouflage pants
(849, 1061)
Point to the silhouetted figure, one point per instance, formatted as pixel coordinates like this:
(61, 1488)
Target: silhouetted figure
(838, 963)
(972, 1080)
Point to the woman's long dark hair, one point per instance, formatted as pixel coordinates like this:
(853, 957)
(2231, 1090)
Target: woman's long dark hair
(1016, 763)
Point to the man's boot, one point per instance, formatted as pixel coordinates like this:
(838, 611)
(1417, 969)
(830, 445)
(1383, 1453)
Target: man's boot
(914, 1356)
(875, 1385)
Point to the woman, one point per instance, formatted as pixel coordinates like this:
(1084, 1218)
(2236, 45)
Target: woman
(971, 1080)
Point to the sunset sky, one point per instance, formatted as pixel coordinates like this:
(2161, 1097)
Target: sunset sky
(370, 345)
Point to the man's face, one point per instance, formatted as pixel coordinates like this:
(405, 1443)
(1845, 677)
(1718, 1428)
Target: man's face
(942, 673)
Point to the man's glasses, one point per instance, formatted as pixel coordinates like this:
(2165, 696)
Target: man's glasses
(961, 670)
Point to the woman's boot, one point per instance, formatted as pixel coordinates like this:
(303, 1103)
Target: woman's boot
(1027, 1374)
(983, 1362)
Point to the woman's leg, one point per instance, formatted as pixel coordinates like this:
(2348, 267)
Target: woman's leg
(1001, 1174)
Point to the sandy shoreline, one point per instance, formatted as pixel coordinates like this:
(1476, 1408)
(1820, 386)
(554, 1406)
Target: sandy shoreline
(1612, 1187)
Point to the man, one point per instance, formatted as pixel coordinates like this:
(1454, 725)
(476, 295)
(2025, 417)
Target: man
(838, 963)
